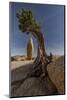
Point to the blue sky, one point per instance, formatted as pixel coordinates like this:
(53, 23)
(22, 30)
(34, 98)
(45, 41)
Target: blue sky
(51, 20)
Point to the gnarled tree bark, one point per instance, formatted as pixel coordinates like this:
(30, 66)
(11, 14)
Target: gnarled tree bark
(42, 59)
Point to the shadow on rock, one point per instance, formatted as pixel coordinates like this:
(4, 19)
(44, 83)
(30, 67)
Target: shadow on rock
(33, 86)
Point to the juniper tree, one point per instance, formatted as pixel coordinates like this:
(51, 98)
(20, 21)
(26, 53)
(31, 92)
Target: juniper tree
(27, 24)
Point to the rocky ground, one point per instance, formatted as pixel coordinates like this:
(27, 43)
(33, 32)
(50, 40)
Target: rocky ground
(56, 73)
(35, 86)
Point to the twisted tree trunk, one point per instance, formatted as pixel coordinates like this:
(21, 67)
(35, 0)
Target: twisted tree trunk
(42, 58)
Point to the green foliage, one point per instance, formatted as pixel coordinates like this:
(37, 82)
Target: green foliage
(27, 22)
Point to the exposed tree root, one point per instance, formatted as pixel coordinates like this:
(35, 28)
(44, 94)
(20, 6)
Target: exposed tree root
(37, 71)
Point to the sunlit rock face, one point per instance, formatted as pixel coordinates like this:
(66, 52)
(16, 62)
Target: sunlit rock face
(30, 49)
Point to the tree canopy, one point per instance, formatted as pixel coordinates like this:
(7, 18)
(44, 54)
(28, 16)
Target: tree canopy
(27, 22)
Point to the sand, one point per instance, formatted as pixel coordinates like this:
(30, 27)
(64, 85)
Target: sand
(17, 64)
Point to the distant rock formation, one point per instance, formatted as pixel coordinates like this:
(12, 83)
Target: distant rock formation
(30, 49)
